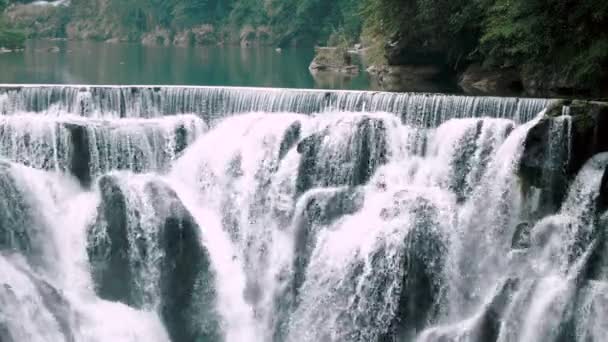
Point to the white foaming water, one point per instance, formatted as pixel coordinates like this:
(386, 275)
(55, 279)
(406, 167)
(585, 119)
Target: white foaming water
(352, 224)
(48, 142)
(237, 315)
(57, 299)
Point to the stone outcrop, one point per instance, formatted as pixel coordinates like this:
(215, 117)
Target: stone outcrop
(186, 279)
(160, 36)
(549, 164)
(333, 59)
(15, 216)
(478, 80)
(255, 36)
(201, 35)
(424, 249)
(366, 150)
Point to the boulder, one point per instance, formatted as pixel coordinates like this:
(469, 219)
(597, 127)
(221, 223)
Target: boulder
(320, 209)
(187, 283)
(204, 35)
(187, 287)
(80, 159)
(555, 149)
(589, 123)
(159, 36)
(550, 82)
(602, 200)
(488, 326)
(478, 80)
(255, 36)
(290, 138)
(521, 237)
(333, 59)
(483, 327)
(14, 214)
(424, 257)
(364, 150)
(108, 245)
(183, 38)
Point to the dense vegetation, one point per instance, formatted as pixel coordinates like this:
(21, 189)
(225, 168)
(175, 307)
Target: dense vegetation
(542, 37)
(9, 38)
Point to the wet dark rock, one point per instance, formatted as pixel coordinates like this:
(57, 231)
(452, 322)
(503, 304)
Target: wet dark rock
(602, 200)
(521, 237)
(14, 214)
(22, 229)
(181, 138)
(488, 327)
(81, 156)
(589, 125)
(290, 138)
(321, 209)
(5, 334)
(589, 120)
(365, 152)
(461, 163)
(545, 161)
(58, 305)
(425, 250)
(108, 245)
(487, 324)
(186, 281)
(596, 267)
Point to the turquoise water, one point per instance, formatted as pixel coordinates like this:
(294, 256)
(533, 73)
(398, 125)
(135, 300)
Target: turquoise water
(107, 63)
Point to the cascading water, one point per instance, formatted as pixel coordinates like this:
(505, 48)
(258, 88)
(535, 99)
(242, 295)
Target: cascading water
(239, 214)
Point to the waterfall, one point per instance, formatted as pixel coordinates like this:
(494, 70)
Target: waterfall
(214, 103)
(190, 214)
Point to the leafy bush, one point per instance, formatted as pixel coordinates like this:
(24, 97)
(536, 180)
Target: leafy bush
(11, 39)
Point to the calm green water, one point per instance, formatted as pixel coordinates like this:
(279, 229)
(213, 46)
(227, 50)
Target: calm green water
(105, 63)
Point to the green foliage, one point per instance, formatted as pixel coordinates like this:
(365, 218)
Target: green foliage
(11, 39)
(568, 36)
(565, 35)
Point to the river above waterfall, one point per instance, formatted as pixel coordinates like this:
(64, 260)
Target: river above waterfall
(78, 62)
